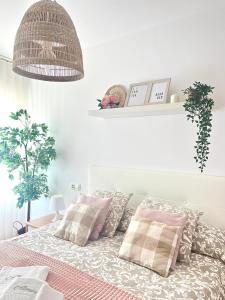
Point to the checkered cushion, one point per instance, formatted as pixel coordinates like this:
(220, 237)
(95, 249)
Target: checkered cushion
(150, 244)
(78, 223)
(193, 216)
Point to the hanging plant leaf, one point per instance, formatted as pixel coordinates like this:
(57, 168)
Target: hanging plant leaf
(198, 106)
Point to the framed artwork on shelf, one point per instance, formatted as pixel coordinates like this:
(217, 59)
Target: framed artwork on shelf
(159, 91)
(138, 94)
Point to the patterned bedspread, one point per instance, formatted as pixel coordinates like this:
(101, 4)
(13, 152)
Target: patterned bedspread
(204, 279)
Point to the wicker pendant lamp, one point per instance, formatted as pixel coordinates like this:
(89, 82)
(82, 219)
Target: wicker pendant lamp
(46, 45)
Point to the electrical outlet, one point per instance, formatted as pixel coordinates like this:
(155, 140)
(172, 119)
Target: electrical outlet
(76, 187)
(73, 186)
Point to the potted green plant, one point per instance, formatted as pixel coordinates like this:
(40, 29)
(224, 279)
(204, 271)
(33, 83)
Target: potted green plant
(27, 151)
(198, 106)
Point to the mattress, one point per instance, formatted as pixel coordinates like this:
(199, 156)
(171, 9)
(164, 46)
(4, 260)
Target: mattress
(203, 279)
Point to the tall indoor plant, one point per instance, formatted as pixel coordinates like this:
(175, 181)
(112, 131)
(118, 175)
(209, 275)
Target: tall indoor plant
(198, 106)
(27, 151)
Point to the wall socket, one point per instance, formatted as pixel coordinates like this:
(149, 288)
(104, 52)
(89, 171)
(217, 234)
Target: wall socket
(76, 187)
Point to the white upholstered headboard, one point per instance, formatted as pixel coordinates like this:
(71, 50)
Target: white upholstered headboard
(206, 193)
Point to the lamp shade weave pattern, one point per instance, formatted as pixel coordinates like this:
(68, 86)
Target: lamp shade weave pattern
(46, 45)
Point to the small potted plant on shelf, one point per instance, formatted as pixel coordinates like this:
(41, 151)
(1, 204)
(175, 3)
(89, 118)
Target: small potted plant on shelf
(110, 101)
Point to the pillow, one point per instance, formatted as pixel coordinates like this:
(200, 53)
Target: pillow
(209, 240)
(167, 218)
(77, 223)
(116, 210)
(126, 218)
(103, 204)
(189, 228)
(150, 244)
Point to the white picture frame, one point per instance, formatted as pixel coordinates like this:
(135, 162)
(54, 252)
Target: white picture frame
(138, 93)
(159, 91)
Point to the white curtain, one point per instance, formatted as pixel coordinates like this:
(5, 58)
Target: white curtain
(14, 93)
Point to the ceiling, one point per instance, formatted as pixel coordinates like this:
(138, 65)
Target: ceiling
(99, 21)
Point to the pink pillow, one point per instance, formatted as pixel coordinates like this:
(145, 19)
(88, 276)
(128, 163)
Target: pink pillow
(103, 204)
(170, 219)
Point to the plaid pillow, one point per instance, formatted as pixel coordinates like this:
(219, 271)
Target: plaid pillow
(167, 218)
(77, 224)
(150, 244)
(103, 204)
(189, 229)
(116, 210)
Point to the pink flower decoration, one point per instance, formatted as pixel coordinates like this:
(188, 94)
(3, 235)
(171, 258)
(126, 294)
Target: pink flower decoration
(113, 99)
(105, 102)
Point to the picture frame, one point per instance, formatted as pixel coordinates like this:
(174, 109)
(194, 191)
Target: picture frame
(159, 91)
(138, 93)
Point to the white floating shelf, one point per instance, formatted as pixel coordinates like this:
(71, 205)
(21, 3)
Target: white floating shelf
(139, 111)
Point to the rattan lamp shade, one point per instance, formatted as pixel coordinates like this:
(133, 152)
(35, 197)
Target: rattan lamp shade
(46, 45)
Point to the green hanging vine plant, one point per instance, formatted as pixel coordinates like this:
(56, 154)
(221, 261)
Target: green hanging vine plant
(198, 106)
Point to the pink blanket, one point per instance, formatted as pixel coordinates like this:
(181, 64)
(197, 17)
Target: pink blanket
(73, 283)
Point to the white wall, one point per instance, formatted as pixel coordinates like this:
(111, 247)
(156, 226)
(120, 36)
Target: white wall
(14, 92)
(186, 50)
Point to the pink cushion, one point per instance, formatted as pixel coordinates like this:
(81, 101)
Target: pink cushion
(103, 204)
(167, 218)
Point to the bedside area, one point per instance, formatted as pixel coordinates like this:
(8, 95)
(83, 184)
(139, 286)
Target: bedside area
(42, 221)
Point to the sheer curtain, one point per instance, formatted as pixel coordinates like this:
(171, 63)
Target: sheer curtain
(14, 93)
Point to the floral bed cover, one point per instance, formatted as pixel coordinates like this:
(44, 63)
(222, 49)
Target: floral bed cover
(203, 279)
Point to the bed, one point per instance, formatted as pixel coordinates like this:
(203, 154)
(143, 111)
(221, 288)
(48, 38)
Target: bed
(203, 279)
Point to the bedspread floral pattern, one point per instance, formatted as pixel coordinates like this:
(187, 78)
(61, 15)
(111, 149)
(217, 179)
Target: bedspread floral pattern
(126, 218)
(202, 280)
(209, 240)
(116, 210)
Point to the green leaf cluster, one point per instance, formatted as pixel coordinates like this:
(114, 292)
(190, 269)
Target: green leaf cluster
(100, 104)
(198, 106)
(27, 151)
